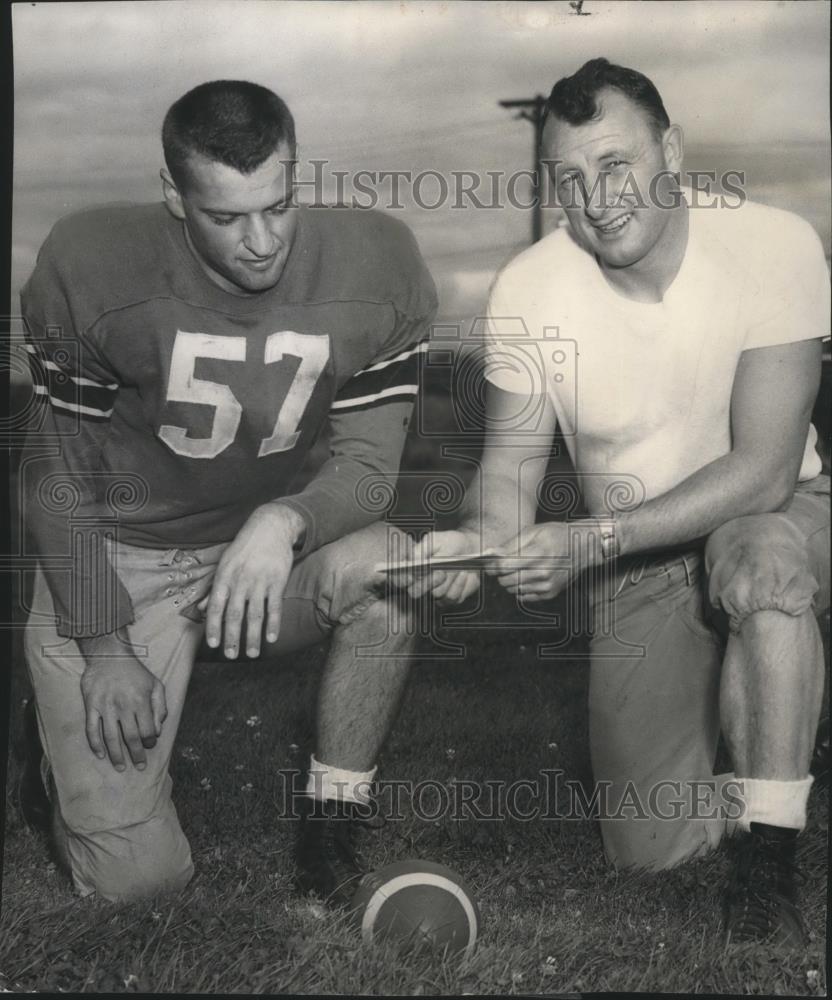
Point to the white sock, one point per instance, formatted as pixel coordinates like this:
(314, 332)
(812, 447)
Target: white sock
(778, 803)
(327, 782)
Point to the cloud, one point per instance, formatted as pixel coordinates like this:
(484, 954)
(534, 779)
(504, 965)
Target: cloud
(432, 63)
(405, 85)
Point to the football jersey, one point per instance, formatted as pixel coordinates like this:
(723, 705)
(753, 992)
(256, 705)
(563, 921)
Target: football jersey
(179, 407)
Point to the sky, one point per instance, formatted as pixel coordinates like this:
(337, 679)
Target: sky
(411, 86)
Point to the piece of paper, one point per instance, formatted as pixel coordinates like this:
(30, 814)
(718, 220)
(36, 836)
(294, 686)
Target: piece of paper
(467, 560)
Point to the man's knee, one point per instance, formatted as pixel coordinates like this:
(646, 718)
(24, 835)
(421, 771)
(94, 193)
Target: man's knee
(759, 563)
(658, 846)
(664, 823)
(122, 866)
(349, 587)
(381, 618)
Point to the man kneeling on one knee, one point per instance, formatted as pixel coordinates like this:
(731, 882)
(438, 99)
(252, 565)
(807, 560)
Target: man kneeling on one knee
(678, 349)
(187, 356)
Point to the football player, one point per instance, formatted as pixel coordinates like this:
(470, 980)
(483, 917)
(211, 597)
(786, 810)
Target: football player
(187, 355)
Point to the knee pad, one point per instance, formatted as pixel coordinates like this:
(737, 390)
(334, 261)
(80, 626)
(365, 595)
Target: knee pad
(758, 563)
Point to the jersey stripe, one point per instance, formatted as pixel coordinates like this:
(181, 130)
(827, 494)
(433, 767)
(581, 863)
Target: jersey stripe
(77, 379)
(394, 393)
(420, 348)
(80, 380)
(74, 393)
(86, 411)
(398, 375)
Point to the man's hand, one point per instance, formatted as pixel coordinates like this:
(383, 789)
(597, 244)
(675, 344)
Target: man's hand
(124, 702)
(251, 577)
(538, 563)
(447, 586)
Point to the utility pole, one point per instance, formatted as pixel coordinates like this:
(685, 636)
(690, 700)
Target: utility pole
(532, 111)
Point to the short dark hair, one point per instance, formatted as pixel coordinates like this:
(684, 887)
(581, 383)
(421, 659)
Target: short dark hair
(233, 122)
(574, 98)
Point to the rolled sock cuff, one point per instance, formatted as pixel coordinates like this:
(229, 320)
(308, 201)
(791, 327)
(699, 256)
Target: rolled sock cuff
(777, 803)
(326, 782)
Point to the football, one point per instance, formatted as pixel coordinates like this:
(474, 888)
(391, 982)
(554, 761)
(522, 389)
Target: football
(419, 904)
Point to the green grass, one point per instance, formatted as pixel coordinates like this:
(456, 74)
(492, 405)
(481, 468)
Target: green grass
(556, 918)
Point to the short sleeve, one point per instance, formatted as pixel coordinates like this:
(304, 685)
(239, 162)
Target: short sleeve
(513, 355)
(790, 298)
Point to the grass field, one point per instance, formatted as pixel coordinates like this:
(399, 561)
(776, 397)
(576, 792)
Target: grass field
(556, 918)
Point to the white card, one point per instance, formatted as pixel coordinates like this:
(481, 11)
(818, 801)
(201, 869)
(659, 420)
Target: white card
(467, 560)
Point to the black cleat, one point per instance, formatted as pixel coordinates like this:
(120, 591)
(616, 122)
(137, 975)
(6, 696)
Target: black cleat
(762, 904)
(33, 792)
(325, 857)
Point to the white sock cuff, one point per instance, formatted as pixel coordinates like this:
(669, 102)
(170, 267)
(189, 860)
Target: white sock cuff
(327, 782)
(778, 803)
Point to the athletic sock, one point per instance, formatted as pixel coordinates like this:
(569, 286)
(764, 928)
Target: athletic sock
(327, 782)
(775, 803)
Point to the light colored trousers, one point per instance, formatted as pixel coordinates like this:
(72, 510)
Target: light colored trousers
(655, 674)
(122, 833)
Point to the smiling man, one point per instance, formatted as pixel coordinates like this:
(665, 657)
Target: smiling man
(190, 354)
(678, 349)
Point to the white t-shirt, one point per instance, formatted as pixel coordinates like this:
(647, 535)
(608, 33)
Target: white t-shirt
(642, 391)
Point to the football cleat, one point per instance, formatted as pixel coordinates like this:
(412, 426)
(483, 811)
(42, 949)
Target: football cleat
(34, 788)
(325, 857)
(762, 904)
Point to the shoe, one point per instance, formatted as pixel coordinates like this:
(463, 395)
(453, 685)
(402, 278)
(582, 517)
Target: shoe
(762, 904)
(325, 857)
(35, 803)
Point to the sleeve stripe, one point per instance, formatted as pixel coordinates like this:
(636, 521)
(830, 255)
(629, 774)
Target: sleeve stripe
(371, 382)
(420, 348)
(41, 390)
(375, 402)
(78, 379)
(93, 398)
(407, 392)
(80, 395)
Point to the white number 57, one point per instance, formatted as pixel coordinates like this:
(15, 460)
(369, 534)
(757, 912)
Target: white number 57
(312, 350)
